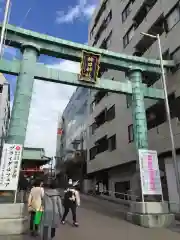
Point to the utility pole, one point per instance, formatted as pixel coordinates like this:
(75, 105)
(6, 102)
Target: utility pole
(173, 148)
(82, 161)
(51, 166)
(6, 13)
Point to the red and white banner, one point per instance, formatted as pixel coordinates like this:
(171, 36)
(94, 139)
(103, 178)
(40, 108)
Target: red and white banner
(149, 172)
(10, 166)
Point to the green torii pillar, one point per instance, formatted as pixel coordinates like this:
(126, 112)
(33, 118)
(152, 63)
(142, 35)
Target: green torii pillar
(23, 94)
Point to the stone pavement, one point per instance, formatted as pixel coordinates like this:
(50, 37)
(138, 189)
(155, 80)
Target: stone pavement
(103, 220)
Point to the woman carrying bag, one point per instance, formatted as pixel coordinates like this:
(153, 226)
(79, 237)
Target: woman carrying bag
(52, 214)
(35, 207)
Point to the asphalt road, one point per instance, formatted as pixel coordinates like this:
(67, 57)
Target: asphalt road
(103, 220)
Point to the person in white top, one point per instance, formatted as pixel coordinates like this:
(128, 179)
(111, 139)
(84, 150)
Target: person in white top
(35, 204)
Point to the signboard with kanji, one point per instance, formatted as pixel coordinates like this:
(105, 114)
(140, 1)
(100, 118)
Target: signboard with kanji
(149, 172)
(10, 166)
(90, 64)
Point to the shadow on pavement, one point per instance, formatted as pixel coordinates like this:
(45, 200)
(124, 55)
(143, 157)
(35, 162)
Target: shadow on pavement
(105, 208)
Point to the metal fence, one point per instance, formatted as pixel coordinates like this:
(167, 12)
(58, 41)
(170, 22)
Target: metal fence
(128, 199)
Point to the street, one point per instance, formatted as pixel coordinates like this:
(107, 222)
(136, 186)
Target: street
(99, 222)
(103, 220)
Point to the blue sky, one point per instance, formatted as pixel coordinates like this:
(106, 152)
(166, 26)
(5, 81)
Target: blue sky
(67, 19)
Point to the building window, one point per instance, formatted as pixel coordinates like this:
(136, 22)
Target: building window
(102, 145)
(156, 114)
(145, 43)
(129, 35)
(92, 153)
(101, 118)
(108, 19)
(92, 128)
(176, 57)
(111, 113)
(130, 133)
(112, 143)
(143, 11)
(126, 12)
(100, 95)
(103, 27)
(101, 10)
(92, 32)
(173, 18)
(106, 42)
(128, 100)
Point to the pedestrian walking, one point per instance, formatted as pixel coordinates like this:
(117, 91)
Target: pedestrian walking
(52, 214)
(71, 201)
(35, 204)
(23, 188)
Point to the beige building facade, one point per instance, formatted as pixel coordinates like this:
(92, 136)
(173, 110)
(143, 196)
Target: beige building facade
(117, 26)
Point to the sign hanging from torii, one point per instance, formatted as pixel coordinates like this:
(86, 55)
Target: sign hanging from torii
(89, 69)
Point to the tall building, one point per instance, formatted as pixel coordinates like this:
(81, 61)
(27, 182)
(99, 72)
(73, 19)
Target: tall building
(4, 109)
(72, 126)
(117, 26)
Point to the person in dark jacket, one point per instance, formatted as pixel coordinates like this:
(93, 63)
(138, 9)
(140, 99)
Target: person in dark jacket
(71, 201)
(52, 206)
(23, 187)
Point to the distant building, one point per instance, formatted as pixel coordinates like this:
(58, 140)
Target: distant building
(33, 160)
(72, 127)
(4, 109)
(73, 122)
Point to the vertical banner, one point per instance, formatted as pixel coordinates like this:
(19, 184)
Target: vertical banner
(10, 167)
(90, 64)
(149, 172)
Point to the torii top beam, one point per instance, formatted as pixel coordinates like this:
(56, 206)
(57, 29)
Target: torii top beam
(60, 48)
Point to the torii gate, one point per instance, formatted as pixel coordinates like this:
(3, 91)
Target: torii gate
(32, 44)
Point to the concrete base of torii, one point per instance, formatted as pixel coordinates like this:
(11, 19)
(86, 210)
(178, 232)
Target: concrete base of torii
(13, 219)
(150, 214)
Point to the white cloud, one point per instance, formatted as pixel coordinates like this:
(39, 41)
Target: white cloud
(84, 8)
(10, 50)
(89, 10)
(67, 65)
(48, 102)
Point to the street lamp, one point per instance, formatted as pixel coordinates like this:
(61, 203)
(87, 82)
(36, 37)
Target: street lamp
(157, 37)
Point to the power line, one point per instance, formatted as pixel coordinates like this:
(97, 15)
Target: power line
(6, 13)
(20, 25)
